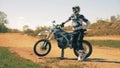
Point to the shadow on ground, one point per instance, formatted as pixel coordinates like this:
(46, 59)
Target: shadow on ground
(87, 60)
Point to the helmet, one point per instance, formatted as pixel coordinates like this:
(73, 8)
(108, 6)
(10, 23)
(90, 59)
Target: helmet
(76, 9)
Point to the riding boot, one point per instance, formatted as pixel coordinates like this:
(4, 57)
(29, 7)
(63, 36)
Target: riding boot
(81, 55)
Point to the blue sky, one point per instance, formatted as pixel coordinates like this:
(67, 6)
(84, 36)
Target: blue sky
(40, 12)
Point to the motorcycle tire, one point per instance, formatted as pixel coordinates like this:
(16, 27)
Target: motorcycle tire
(85, 44)
(45, 47)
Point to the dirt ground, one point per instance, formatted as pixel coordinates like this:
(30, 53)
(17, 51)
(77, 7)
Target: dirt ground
(22, 45)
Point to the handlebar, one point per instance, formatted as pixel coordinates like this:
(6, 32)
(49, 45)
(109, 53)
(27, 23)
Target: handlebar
(59, 26)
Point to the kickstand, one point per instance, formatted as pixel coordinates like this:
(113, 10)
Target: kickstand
(62, 53)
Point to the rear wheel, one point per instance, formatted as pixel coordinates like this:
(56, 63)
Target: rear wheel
(42, 47)
(87, 48)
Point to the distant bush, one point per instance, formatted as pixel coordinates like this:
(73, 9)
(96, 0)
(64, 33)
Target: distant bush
(29, 32)
(13, 30)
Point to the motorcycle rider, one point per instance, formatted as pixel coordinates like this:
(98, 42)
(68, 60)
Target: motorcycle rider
(77, 22)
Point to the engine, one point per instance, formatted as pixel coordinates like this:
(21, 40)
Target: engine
(61, 38)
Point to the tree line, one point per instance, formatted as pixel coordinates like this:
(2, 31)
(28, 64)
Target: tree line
(100, 27)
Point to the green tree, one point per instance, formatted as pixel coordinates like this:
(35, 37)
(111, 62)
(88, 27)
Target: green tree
(3, 21)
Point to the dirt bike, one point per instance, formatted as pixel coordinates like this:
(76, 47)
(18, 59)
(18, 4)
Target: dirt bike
(64, 39)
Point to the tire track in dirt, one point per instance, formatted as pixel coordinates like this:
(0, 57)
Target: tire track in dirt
(22, 45)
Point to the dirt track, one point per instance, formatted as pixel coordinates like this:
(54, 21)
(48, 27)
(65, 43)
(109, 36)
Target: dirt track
(102, 57)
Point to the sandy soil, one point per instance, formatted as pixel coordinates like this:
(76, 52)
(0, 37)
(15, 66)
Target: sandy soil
(22, 45)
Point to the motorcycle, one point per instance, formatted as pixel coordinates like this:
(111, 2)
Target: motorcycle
(64, 39)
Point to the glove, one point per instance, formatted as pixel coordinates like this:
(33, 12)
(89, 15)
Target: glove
(62, 25)
(84, 29)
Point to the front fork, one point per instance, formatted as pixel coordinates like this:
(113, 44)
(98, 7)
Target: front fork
(44, 46)
(49, 36)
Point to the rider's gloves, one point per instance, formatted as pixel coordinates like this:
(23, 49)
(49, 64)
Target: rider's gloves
(62, 25)
(84, 29)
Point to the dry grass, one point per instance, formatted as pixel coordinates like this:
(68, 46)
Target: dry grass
(104, 28)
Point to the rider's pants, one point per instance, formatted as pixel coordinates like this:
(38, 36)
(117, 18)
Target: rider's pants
(77, 39)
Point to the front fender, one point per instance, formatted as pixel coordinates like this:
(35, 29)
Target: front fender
(42, 32)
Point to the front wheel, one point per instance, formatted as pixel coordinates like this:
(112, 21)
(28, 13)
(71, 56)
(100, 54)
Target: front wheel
(87, 48)
(42, 47)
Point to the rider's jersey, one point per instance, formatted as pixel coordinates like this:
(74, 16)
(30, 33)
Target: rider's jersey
(77, 21)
